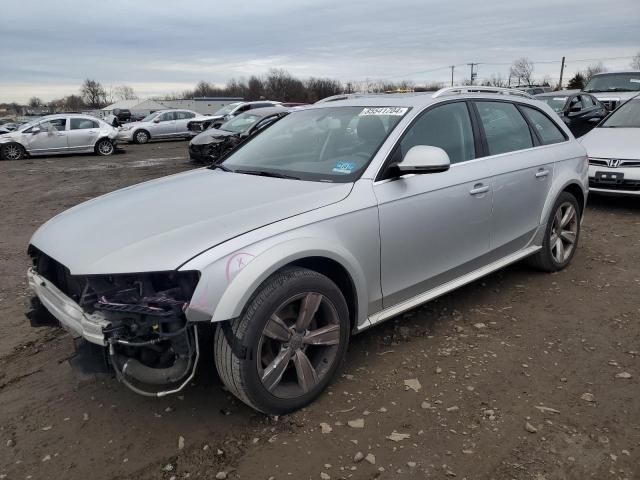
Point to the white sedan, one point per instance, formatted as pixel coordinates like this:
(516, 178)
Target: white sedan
(59, 134)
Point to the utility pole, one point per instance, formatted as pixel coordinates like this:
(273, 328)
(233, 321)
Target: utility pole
(561, 73)
(452, 67)
(473, 75)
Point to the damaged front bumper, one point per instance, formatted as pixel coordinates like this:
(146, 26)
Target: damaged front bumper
(70, 315)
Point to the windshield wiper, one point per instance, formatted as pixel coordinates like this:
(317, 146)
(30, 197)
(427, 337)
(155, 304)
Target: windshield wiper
(220, 166)
(263, 173)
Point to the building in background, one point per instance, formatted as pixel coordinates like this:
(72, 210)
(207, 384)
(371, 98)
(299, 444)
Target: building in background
(137, 106)
(203, 105)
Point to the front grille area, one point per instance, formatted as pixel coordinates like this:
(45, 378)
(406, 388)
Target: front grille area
(604, 162)
(56, 273)
(623, 185)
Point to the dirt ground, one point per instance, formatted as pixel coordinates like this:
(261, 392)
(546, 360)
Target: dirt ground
(521, 375)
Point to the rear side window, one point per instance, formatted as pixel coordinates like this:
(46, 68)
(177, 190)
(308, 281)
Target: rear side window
(505, 128)
(184, 115)
(168, 116)
(448, 127)
(82, 124)
(547, 130)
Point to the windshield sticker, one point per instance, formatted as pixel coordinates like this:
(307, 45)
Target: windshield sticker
(634, 80)
(398, 111)
(560, 98)
(344, 167)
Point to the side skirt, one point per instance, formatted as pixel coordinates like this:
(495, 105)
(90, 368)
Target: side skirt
(446, 287)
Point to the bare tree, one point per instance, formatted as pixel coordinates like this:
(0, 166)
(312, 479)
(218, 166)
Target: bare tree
(93, 94)
(522, 70)
(495, 80)
(280, 85)
(35, 102)
(592, 70)
(319, 88)
(125, 92)
(635, 61)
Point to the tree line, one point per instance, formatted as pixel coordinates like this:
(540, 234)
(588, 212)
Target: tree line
(278, 84)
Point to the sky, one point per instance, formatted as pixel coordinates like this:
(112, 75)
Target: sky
(159, 47)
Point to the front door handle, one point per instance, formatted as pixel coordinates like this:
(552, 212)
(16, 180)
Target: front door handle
(543, 172)
(478, 189)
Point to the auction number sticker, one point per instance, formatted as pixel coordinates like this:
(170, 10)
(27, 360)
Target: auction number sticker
(398, 111)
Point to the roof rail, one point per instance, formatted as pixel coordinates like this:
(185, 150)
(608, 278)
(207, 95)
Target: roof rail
(476, 89)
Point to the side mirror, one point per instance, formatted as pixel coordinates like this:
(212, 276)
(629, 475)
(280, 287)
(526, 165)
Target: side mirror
(156, 120)
(424, 159)
(35, 130)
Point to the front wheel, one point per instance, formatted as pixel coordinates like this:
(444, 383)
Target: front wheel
(13, 151)
(286, 347)
(105, 147)
(561, 235)
(141, 137)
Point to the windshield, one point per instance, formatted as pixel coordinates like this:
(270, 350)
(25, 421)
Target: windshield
(150, 117)
(28, 125)
(241, 123)
(227, 108)
(626, 116)
(614, 82)
(332, 144)
(557, 103)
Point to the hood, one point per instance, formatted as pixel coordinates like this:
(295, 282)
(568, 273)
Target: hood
(159, 225)
(210, 135)
(9, 136)
(621, 143)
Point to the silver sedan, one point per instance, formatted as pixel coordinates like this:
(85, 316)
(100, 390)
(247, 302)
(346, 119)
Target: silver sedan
(614, 152)
(59, 134)
(332, 220)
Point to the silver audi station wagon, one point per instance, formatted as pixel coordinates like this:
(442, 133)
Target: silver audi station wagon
(335, 218)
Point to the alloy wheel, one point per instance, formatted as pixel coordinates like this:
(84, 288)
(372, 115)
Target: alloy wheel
(298, 345)
(105, 147)
(142, 137)
(12, 152)
(564, 232)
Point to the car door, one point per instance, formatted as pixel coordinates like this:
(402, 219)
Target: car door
(182, 121)
(521, 172)
(434, 227)
(82, 134)
(164, 126)
(50, 139)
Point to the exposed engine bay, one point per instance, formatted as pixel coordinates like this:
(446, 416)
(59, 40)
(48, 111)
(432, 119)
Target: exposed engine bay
(149, 342)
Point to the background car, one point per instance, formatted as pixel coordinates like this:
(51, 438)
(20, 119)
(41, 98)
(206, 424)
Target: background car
(534, 89)
(59, 134)
(162, 124)
(614, 88)
(613, 148)
(579, 110)
(213, 143)
(226, 113)
(122, 114)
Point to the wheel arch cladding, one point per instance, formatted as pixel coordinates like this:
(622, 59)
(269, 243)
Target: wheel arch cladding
(341, 267)
(575, 190)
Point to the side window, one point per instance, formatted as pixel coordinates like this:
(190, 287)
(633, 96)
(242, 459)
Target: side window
(82, 124)
(56, 124)
(505, 129)
(167, 116)
(587, 101)
(448, 127)
(184, 115)
(547, 130)
(575, 103)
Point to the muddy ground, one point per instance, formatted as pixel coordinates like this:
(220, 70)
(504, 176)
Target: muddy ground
(519, 375)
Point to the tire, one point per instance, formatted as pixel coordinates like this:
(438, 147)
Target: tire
(12, 151)
(551, 258)
(104, 147)
(245, 352)
(141, 137)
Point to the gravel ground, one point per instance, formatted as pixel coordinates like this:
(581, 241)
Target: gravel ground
(521, 375)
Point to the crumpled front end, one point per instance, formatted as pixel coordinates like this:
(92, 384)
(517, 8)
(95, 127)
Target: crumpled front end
(139, 319)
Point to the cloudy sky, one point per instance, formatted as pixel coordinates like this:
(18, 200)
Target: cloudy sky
(158, 46)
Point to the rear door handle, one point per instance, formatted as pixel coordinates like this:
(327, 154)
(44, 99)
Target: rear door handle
(478, 189)
(543, 172)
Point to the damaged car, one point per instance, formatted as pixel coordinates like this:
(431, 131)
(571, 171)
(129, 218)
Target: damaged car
(226, 113)
(334, 219)
(213, 143)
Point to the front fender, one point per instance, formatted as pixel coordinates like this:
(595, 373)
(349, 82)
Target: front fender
(244, 277)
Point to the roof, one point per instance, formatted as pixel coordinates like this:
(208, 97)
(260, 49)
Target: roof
(265, 111)
(617, 71)
(213, 99)
(557, 93)
(136, 104)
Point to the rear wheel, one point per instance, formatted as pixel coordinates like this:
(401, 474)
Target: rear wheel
(13, 151)
(286, 347)
(141, 136)
(561, 235)
(105, 147)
